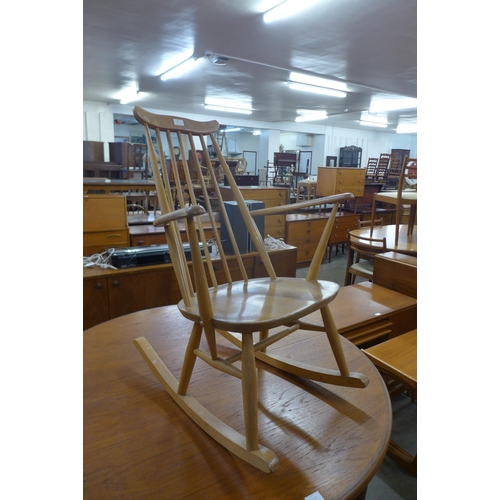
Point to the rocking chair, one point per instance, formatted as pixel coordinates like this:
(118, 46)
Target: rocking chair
(241, 306)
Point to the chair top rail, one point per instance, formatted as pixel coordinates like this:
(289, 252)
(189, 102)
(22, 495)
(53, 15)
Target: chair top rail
(174, 123)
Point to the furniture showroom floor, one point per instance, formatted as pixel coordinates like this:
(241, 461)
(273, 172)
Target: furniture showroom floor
(392, 481)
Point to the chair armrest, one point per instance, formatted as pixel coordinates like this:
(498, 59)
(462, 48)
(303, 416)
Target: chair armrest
(334, 198)
(181, 213)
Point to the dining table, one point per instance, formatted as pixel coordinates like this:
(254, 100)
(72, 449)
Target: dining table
(407, 243)
(138, 443)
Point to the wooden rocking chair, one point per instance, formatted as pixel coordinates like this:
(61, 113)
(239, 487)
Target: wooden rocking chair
(241, 306)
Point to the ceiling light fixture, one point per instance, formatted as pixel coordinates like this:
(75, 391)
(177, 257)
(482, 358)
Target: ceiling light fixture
(315, 90)
(317, 81)
(228, 109)
(129, 95)
(286, 9)
(307, 117)
(392, 104)
(180, 69)
(256, 132)
(217, 60)
(407, 128)
(233, 129)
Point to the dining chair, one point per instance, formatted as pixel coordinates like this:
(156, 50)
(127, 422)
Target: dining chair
(223, 303)
(361, 251)
(371, 168)
(406, 194)
(382, 166)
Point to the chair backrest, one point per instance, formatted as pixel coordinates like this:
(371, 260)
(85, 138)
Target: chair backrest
(371, 167)
(383, 165)
(368, 223)
(199, 205)
(408, 177)
(366, 247)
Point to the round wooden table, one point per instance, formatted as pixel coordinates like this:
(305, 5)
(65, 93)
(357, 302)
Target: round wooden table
(407, 244)
(139, 444)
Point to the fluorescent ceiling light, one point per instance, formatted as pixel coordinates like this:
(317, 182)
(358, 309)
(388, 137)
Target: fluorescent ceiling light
(316, 90)
(129, 95)
(407, 128)
(317, 81)
(392, 104)
(228, 109)
(234, 129)
(286, 9)
(373, 124)
(320, 115)
(180, 69)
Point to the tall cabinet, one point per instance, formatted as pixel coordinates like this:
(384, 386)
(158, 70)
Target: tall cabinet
(350, 156)
(397, 157)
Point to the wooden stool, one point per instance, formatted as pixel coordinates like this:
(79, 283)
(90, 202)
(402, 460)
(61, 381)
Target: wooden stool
(397, 359)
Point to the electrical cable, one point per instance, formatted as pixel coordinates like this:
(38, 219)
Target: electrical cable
(99, 260)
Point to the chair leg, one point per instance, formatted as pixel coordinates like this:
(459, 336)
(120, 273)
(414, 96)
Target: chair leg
(189, 359)
(372, 221)
(413, 216)
(398, 217)
(334, 340)
(249, 390)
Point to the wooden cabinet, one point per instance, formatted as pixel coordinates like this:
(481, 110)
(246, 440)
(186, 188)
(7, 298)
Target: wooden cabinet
(274, 225)
(304, 231)
(333, 180)
(350, 156)
(130, 157)
(397, 157)
(104, 223)
(109, 293)
(344, 222)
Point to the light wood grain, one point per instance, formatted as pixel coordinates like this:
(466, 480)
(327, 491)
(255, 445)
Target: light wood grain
(138, 443)
(242, 305)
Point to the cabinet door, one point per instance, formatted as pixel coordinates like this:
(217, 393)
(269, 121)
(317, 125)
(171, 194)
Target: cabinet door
(142, 290)
(95, 302)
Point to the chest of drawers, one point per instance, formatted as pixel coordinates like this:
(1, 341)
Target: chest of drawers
(104, 223)
(340, 180)
(304, 230)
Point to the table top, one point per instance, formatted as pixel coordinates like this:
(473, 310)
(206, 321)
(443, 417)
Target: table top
(398, 356)
(407, 244)
(139, 444)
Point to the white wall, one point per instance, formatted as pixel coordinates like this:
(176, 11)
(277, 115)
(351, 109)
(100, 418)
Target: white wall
(98, 125)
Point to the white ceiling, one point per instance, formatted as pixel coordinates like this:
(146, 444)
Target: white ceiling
(369, 44)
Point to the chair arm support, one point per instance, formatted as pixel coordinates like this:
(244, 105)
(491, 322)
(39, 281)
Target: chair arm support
(303, 204)
(181, 213)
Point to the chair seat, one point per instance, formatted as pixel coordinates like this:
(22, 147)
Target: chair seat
(363, 268)
(262, 303)
(408, 196)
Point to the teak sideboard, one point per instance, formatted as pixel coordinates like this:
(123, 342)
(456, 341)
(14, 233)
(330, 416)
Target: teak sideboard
(109, 293)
